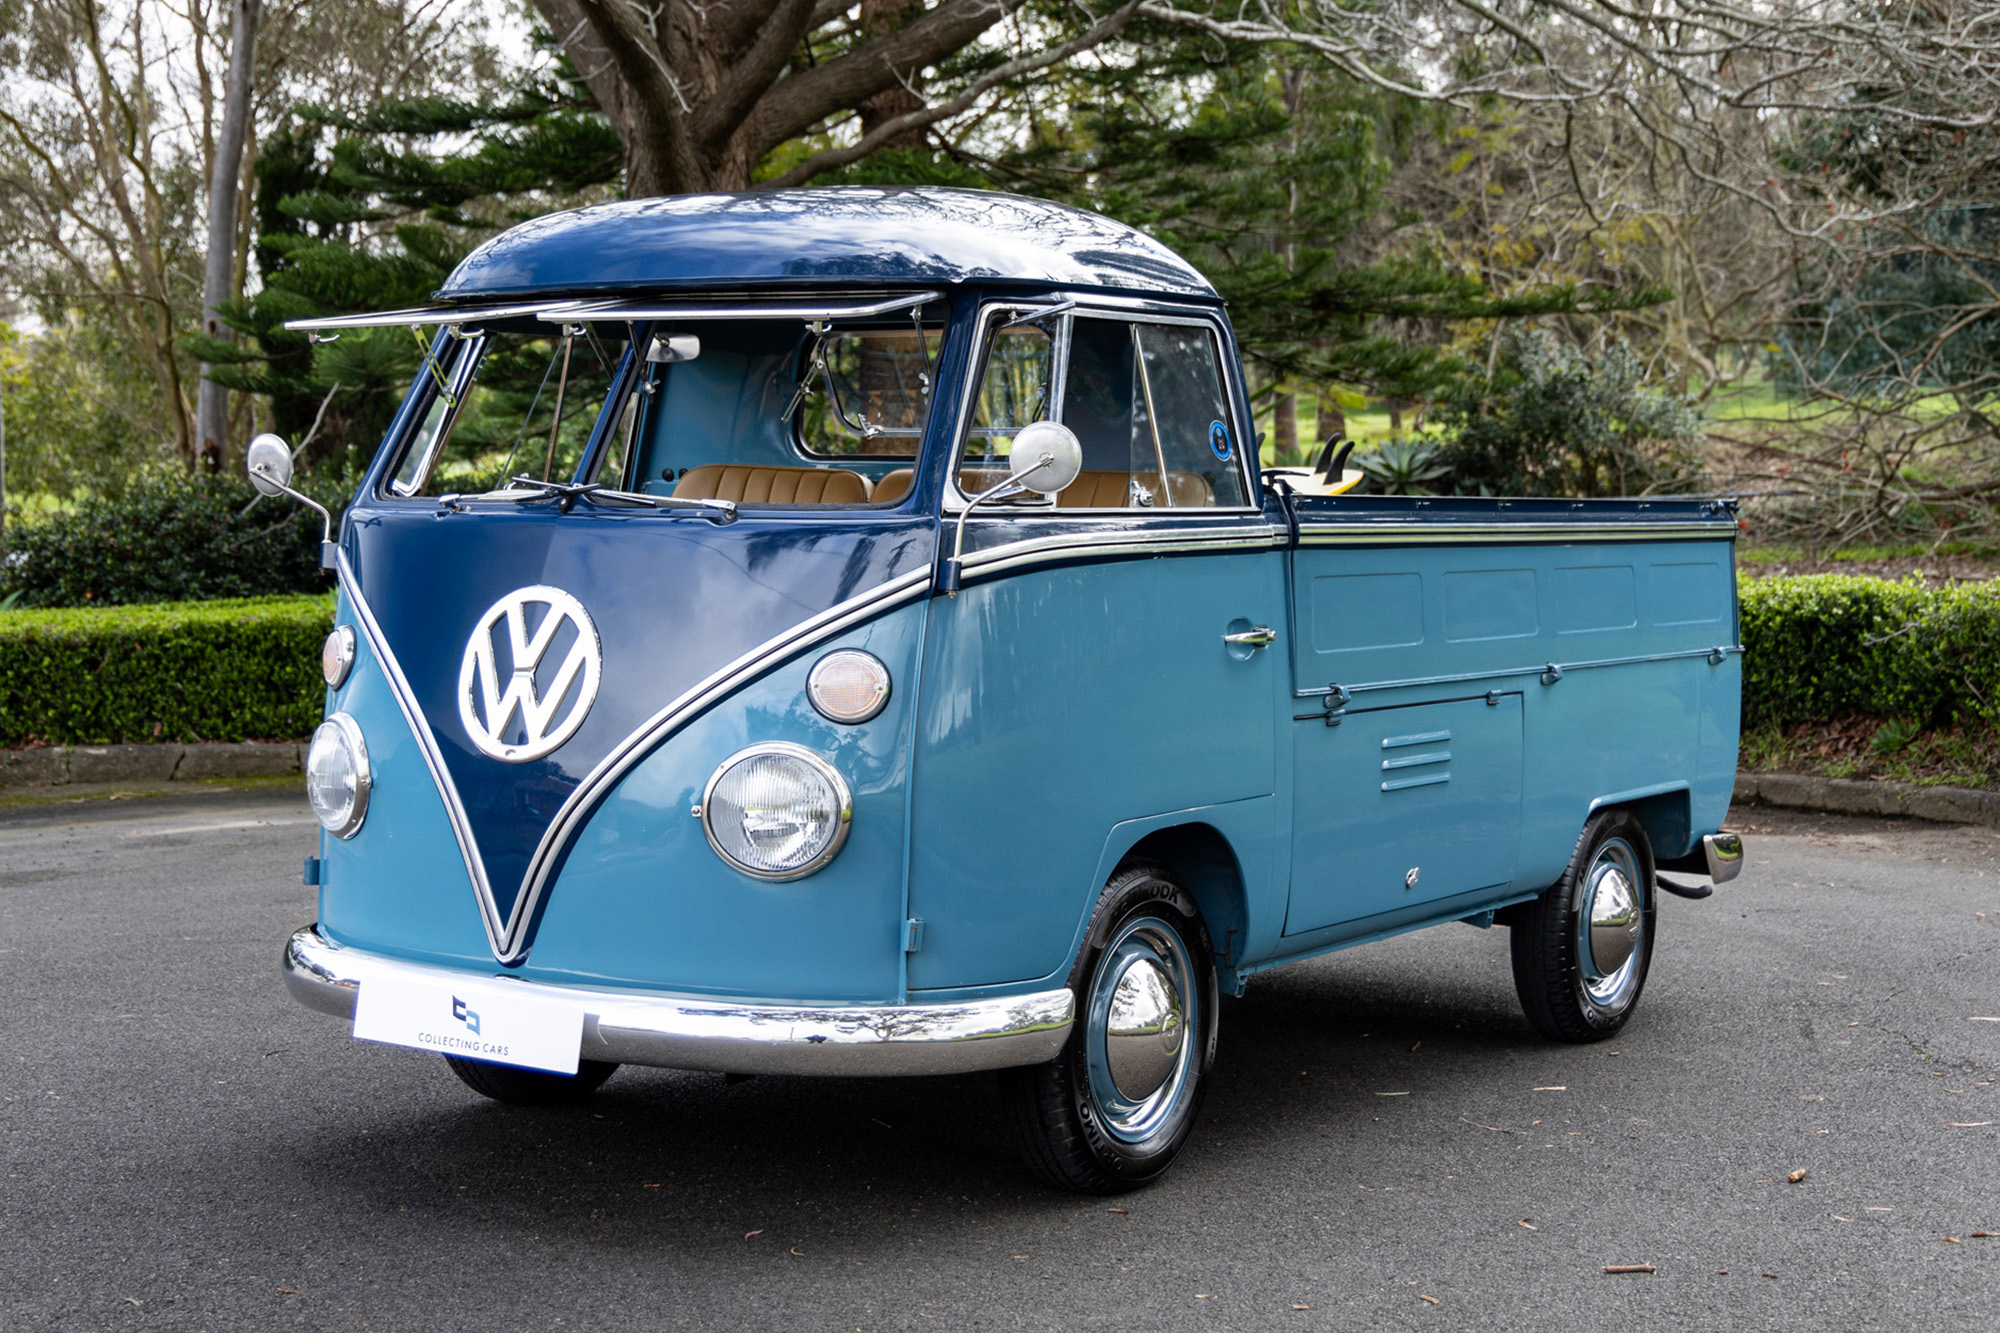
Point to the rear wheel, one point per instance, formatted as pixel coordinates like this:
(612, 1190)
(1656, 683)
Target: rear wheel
(531, 1087)
(1582, 949)
(1114, 1109)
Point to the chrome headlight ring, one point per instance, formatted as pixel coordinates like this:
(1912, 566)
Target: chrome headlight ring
(786, 763)
(338, 778)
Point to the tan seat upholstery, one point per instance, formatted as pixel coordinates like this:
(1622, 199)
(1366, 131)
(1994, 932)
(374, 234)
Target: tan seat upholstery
(1097, 490)
(1102, 490)
(1190, 489)
(773, 485)
(893, 486)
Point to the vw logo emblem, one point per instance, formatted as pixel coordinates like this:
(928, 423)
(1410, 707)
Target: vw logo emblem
(527, 703)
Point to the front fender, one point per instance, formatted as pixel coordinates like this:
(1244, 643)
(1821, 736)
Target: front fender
(642, 900)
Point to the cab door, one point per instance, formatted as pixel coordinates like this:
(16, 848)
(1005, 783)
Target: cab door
(1083, 675)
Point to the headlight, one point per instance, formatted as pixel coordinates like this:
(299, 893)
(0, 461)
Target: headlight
(336, 655)
(337, 777)
(776, 811)
(848, 686)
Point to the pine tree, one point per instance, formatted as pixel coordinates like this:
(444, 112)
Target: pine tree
(373, 212)
(1268, 177)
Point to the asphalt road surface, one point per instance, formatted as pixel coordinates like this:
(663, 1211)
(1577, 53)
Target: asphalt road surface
(1387, 1145)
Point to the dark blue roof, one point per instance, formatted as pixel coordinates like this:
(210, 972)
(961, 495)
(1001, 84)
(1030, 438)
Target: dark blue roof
(846, 236)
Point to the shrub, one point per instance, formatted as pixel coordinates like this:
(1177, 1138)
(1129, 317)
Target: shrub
(195, 671)
(1553, 421)
(1822, 645)
(165, 538)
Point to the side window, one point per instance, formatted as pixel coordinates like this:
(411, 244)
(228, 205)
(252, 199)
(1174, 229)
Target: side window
(1196, 446)
(1146, 401)
(1013, 392)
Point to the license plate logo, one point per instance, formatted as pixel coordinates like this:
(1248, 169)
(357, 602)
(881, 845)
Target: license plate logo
(500, 1022)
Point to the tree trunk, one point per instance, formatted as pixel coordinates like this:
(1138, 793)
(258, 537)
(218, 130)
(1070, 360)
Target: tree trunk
(1332, 423)
(1285, 415)
(878, 17)
(1285, 430)
(225, 185)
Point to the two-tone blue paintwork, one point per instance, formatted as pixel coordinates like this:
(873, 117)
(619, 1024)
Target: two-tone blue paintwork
(1456, 685)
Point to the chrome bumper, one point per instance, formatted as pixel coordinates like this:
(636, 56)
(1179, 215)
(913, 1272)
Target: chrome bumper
(638, 1028)
(1723, 853)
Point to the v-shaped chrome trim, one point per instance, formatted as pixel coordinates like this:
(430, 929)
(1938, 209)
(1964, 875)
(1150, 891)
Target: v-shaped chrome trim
(420, 727)
(508, 938)
(636, 746)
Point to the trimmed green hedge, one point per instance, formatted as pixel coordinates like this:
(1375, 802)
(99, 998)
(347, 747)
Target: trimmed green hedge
(1817, 647)
(179, 671)
(1820, 645)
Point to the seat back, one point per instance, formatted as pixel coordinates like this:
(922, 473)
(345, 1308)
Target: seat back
(893, 486)
(1098, 489)
(747, 484)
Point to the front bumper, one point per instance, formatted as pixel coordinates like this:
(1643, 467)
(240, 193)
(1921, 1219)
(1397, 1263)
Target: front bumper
(640, 1028)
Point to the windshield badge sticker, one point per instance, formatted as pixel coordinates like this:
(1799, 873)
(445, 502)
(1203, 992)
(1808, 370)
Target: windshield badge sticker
(1218, 440)
(489, 705)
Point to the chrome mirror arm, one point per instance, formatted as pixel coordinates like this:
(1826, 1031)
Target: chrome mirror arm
(1014, 483)
(326, 547)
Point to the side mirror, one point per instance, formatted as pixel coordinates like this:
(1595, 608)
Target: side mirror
(1046, 457)
(268, 460)
(269, 463)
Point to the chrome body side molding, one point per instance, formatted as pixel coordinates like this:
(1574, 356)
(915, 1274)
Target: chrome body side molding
(1085, 545)
(1550, 672)
(1433, 532)
(673, 1032)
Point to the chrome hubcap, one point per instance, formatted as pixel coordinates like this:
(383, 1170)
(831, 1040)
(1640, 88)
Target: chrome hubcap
(1143, 1032)
(1610, 920)
(1142, 1007)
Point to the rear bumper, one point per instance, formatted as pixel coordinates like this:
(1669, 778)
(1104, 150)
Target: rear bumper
(642, 1028)
(1719, 856)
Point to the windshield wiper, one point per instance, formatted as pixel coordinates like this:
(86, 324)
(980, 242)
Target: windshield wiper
(566, 494)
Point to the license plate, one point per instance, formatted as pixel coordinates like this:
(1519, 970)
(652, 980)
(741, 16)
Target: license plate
(502, 1022)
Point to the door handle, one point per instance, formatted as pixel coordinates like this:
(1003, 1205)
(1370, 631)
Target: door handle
(1259, 636)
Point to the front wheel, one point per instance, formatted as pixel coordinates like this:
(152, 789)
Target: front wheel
(1113, 1110)
(1581, 950)
(531, 1087)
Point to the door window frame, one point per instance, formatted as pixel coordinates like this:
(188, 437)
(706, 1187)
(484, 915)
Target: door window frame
(955, 499)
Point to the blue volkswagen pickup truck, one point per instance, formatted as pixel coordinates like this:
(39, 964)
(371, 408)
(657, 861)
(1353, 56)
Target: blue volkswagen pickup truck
(848, 632)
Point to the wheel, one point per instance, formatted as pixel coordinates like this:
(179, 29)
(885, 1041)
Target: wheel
(1581, 950)
(1112, 1111)
(531, 1087)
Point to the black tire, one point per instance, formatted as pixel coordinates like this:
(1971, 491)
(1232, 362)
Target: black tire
(1078, 1128)
(1573, 982)
(531, 1087)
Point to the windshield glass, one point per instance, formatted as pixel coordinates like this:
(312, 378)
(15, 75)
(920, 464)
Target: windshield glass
(753, 410)
(507, 404)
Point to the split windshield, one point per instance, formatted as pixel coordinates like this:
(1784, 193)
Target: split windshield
(506, 404)
(749, 410)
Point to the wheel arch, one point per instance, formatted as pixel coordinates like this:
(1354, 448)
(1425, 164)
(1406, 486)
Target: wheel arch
(1666, 815)
(1201, 857)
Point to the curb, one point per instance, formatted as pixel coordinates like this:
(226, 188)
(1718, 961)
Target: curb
(61, 765)
(1943, 805)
